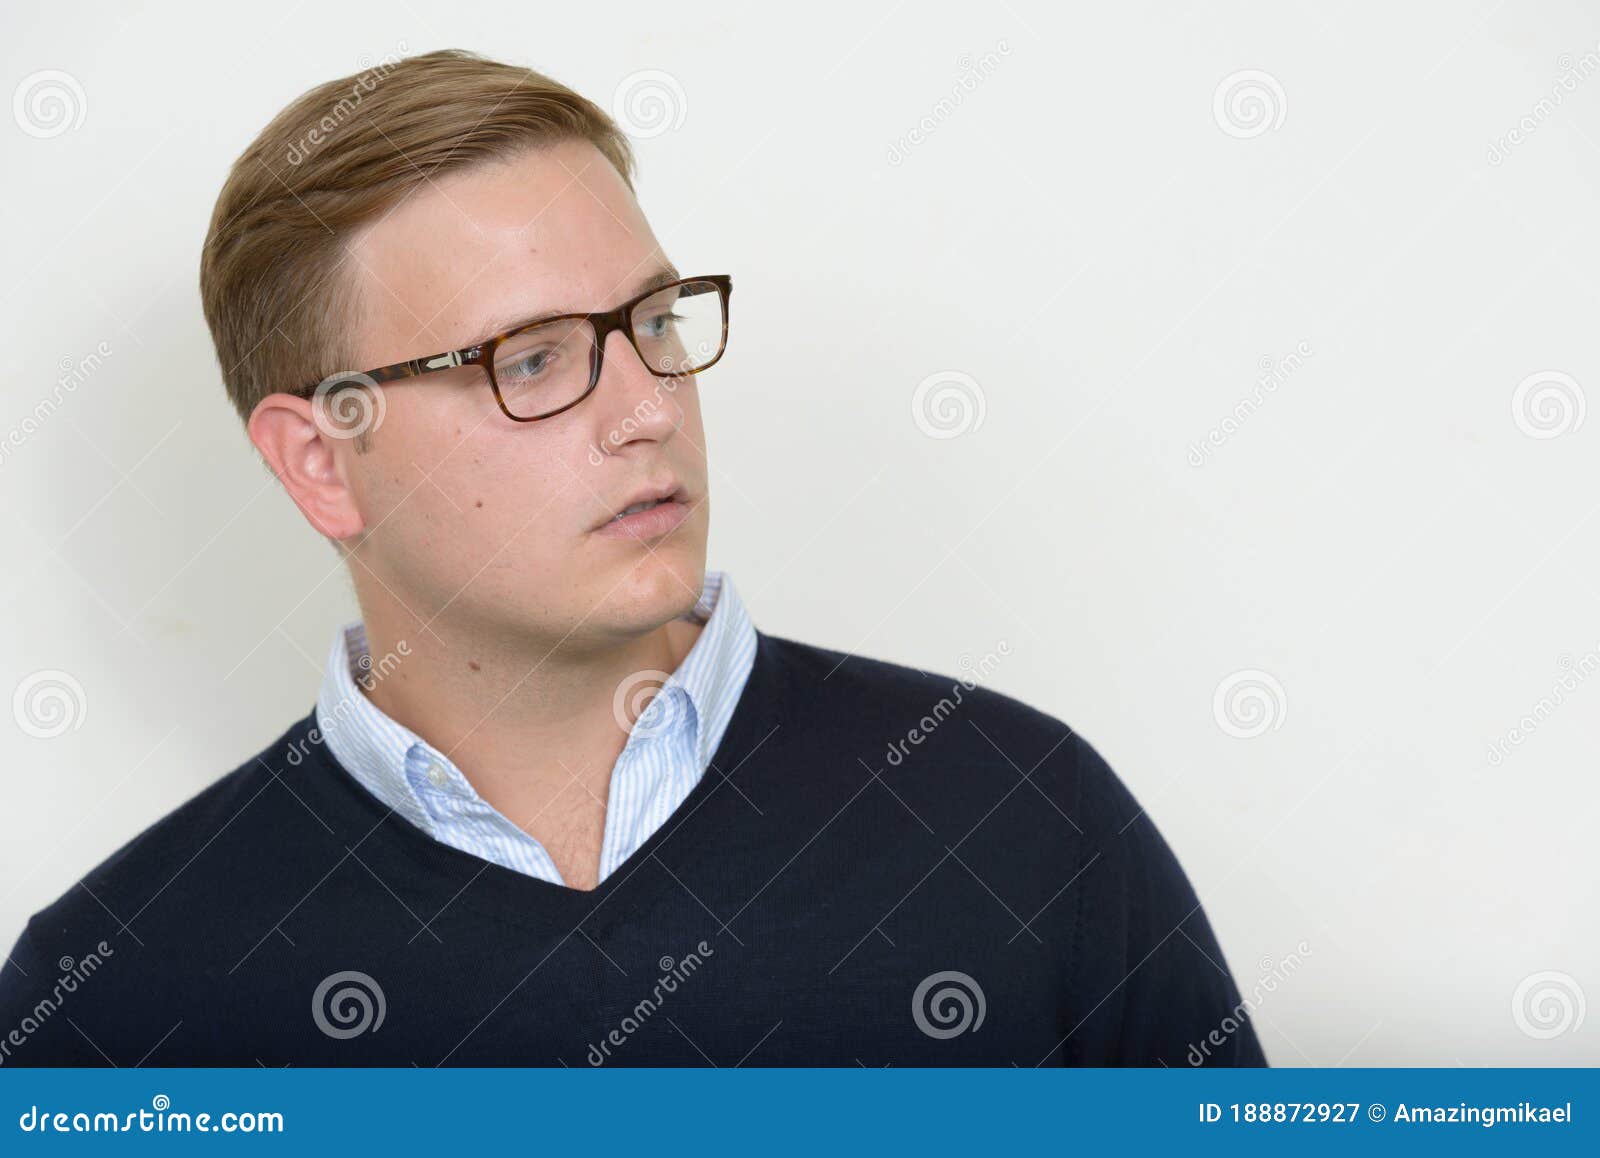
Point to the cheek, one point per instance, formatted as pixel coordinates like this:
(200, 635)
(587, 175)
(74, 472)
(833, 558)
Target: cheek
(689, 401)
(481, 531)
(490, 497)
(515, 490)
(435, 477)
(470, 510)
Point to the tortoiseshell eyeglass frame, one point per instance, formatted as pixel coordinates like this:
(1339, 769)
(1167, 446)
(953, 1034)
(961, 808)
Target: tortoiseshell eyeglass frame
(602, 323)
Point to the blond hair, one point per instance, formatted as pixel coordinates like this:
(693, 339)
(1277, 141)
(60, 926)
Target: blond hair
(277, 298)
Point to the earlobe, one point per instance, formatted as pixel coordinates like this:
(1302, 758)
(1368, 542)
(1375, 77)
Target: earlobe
(308, 463)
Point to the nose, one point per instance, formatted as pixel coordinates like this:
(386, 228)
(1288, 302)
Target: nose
(635, 405)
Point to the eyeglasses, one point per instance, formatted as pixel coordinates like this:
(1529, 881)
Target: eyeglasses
(539, 369)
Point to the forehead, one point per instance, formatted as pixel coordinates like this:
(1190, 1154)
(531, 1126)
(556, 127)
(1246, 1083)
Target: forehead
(554, 229)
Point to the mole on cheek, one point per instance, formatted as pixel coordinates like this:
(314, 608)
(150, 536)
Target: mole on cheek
(474, 665)
(479, 503)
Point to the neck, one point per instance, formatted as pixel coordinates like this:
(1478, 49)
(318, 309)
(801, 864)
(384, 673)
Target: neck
(524, 717)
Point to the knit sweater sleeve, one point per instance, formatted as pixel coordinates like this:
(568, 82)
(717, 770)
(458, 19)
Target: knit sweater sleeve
(1175, 1001)
(36, 997)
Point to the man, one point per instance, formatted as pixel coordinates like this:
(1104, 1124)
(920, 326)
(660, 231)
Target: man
(559, 801)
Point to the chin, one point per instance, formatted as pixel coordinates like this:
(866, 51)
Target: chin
(660, 586)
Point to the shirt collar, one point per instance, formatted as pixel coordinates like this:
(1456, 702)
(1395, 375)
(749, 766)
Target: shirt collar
(713, 673)
(385, 756)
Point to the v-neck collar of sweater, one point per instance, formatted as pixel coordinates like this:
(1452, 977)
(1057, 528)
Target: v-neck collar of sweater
(384, 838)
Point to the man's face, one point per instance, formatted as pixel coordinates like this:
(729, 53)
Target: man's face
(494, 523)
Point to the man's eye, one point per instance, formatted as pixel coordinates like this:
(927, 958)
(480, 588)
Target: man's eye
(661, 324)
(531, 365)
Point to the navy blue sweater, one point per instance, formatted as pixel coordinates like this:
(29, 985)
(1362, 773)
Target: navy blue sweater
(833, 892)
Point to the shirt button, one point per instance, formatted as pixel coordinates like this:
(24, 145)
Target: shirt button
(437, 775)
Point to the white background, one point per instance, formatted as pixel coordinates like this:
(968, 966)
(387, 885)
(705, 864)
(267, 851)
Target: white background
(1110, 260)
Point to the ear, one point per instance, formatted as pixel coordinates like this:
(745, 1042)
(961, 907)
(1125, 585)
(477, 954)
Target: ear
(310, 463)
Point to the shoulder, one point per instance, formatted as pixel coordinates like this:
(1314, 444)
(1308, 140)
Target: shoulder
(198, 854)
(948, 725)
(1036, 815)
(151, 925)
(827, 677)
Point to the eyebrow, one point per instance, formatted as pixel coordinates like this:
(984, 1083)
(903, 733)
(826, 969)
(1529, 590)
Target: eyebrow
(662, 277)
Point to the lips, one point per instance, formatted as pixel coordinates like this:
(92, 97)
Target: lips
(647, 510)
(637, 507)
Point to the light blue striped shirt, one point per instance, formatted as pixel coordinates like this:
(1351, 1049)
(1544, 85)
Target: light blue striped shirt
(668, 749)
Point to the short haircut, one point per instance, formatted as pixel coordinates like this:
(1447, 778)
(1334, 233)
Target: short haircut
(277, 296)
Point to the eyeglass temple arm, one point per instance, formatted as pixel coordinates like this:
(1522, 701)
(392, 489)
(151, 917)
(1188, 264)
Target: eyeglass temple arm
(446, 361)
